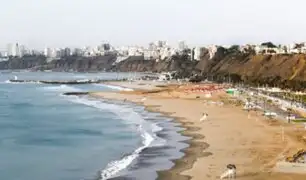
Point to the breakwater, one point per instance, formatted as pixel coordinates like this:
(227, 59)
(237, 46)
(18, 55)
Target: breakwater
(73, 82)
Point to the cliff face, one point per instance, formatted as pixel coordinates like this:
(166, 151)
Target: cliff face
(23, 63)
(72, 63)
(279, 70)
(181, 64)
(227, 64)
(287, 71)
(80, 64)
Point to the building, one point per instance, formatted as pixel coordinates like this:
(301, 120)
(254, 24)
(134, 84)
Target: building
(16, 50)
(48, 52)
(11, 50)
(212, 51)
(182, 45)
(135, 51)
(67, 52)
(198, 52)
(77, 52)
(161, 44)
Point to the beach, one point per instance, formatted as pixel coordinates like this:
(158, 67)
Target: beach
(230, 135)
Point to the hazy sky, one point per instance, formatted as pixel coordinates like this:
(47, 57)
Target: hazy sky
(40, 23)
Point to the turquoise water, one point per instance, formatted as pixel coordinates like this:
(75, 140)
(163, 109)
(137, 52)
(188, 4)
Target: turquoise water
(44, 135)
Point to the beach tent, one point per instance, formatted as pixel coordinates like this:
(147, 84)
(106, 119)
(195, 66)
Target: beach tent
(231, 91)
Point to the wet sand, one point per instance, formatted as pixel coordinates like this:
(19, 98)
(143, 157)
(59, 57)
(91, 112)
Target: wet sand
(229, 135)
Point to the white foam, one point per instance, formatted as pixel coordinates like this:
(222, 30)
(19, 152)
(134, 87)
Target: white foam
(145, 128)
(61, 88)
(83, 80)
(115, 87)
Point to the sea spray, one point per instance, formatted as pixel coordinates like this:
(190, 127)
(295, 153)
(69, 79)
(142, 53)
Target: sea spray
(120, 88)
(61, 88)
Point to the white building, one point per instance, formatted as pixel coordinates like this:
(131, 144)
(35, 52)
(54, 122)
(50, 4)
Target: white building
(212, 51)
(197, 53)
(150, 54)
(161, 44)
(182, 45)
(48, 52)
(11, 50)
(135, 51)
(16, 50)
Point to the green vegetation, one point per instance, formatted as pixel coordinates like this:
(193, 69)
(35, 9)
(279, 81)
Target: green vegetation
(269, 44)
(301, 120)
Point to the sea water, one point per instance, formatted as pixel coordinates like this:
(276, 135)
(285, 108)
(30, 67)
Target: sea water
(45, 135)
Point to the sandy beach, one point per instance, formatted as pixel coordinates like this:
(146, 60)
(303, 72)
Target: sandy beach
(230, 135)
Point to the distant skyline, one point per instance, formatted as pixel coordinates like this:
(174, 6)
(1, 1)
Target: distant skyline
(76, 23)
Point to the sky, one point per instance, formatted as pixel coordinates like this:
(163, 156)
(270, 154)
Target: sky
(77, 23)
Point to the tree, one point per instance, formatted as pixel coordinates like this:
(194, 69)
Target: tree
(234, 48)
(269, 44)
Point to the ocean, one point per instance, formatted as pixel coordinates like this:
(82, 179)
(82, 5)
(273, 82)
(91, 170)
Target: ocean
(46, 135)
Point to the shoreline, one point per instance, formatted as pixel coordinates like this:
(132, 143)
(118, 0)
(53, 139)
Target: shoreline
(208, 158)
(191, 153)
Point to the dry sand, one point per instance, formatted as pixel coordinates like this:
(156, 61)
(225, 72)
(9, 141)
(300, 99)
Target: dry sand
(229, 135)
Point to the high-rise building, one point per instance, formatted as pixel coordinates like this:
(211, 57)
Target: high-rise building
(161, 44)
(48, 52)
(15, 50)
(11, 50)
(67, 52)
(182, 45)
(22, 50)
(78, 52)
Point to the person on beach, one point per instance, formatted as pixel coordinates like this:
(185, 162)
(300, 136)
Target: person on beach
(204, 117)
(230, 173)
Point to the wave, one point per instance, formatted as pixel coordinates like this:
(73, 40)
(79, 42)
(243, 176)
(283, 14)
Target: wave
(61, 88)
(146, 129)
(120, 88)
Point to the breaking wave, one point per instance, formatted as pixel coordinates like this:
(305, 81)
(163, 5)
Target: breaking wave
(146, 129)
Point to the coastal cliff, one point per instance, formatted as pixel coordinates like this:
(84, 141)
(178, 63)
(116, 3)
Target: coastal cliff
(25, 62)
(80, 64)
(71, 63)
(180, 64)
(283, 70)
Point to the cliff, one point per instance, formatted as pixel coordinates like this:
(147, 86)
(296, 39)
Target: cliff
(80, 64)
(180, 64)
(283, 70)
(71, 63)
(23, 63)
(287, 71)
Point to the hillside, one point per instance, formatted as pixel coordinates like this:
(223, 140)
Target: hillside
(23, 63)
(287, 71)
(80, 64)
(283, 70)
(72, 63)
